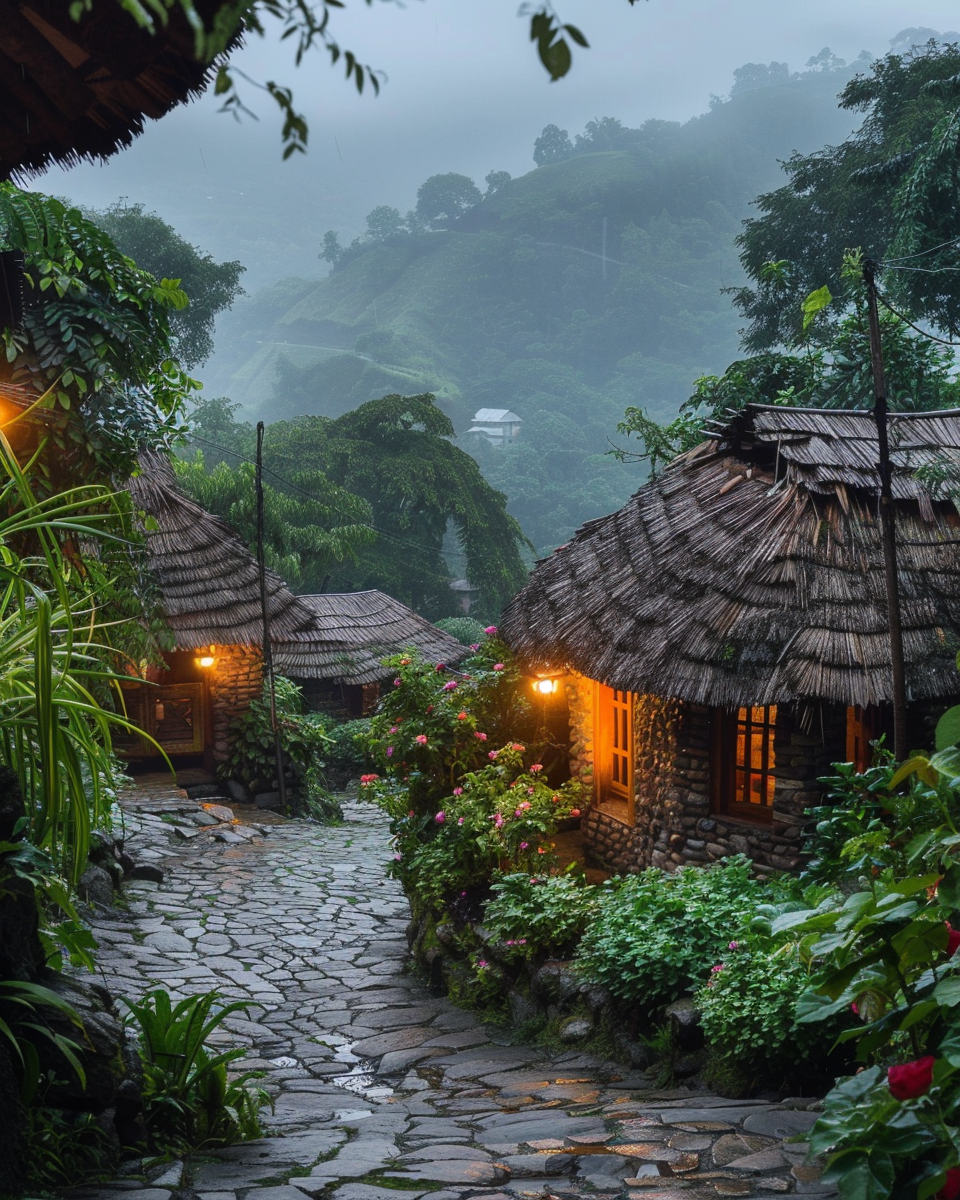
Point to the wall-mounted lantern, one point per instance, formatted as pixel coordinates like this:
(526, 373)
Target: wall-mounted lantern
(546, 687)
(206, 659)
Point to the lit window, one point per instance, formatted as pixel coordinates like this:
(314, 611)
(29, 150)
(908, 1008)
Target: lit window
(745, 762)
(615, 749)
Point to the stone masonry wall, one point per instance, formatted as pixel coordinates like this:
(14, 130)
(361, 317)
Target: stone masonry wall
(232, 684)
(675, 824)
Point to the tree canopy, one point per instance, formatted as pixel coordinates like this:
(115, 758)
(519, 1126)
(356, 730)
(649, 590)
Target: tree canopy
(892, 189)
(155, 246)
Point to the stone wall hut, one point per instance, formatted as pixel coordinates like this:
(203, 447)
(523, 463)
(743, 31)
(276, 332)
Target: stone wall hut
(723, 638)
(209, 593)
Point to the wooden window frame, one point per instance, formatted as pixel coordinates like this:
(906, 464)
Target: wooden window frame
(729, 794)
(614, 750)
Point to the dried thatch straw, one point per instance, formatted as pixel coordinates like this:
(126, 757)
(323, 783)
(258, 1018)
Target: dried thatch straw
(751, 571)
(210, 594)
(73, 89)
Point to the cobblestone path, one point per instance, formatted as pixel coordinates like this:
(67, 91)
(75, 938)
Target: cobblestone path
(381, 1087)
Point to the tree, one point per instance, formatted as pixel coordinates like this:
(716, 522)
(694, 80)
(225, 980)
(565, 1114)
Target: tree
(552, 146)
(384, 223)
(155, 246)
(94, 337)
(311, 526)
(758, 75)
(216, 431)
(332, 251)
(444, 198)
(395, 452)
(892, 189)
(603, 133)
(495, 181)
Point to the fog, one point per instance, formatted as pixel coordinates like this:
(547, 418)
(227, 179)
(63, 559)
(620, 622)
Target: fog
(463, 92)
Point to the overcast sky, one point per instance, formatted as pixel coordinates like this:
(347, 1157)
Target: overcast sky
(464, 92)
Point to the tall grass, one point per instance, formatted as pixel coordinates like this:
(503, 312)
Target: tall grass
(54, 735)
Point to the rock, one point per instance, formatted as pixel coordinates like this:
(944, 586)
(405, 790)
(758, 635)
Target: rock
(103, 1047)
(203, 791)
(736, 1145)
(219, 812)
(763, 1160)
(575, 1029)
(149, 872)
(780, 1123)
(466, 1171)
(168, 942)
(237, 792)
(683, 1017)
(96, 887)
(269, 800)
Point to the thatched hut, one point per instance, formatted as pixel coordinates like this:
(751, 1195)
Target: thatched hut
(209, 593)
(723, 637)
(80, 84)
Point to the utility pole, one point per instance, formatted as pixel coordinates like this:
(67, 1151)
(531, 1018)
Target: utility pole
(888, 528)
(265, 621)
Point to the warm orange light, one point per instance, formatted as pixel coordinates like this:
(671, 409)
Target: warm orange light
(545, 687)
(206, 659)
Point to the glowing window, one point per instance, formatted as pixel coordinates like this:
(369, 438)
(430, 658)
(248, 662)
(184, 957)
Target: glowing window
(745, 762)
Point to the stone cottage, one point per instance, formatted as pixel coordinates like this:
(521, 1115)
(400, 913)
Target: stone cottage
(722, 639)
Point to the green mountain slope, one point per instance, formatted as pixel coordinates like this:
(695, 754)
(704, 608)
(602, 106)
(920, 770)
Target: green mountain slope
(588, 284)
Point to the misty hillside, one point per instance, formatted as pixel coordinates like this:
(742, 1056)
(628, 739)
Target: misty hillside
(588, 284)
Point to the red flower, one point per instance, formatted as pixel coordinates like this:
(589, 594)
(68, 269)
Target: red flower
(911, 1079)
(951, 1189)
(953, 940)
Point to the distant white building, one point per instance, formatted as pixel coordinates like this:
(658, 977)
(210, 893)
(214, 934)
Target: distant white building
(499, 426)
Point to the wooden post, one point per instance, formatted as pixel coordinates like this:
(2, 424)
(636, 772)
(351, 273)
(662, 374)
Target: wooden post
(888, 528)
(265, 621)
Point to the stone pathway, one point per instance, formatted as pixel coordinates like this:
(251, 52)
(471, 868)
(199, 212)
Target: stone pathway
(379, 1086)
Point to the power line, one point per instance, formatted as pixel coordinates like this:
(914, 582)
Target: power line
(919, 253)
(916, 328)
(310, 496)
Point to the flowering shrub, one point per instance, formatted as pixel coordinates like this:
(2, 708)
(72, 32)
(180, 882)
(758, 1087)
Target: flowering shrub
(437, 723)
(540, 914)
(499, 817)
(656, 936)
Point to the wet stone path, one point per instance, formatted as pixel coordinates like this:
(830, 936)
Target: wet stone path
(380, 1087)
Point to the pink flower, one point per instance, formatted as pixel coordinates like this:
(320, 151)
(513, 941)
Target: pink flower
(458, 791)
(397, 682)
(460, 821)
(461, 716)
(498, 820)
(535, 767)
(518, 747)
(524, 846)
(366, 779)
(492, 754)
(733, 946)
(389, 752)
(398, 858)
(441, 667)
(449, 686)
(498, 666)
(393, 728)
(490, 630)
(912, 1079)
(410, 813)
(953, 940)
(574, 812)
(482, 964)
(540, 850)
(482, 737)
(440, 817)
(474, 645)
(421, 739)
(717, 969)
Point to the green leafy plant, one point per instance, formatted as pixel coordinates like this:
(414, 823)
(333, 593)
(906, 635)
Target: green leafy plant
(539, 915)
(252, 755)
(67, 1149)
(190, 1100)
(22, 1024)
(656, 936)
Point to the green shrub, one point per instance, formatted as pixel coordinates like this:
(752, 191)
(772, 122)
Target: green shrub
(348, 753)
(189, 1099)
(537, 915)
(748, 1012)
(464, 629)
(656, 936)
(251, 756)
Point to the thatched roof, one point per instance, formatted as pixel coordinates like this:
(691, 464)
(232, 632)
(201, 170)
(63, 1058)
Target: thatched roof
(751, 570)
(210, 594)
(82, 89)
(365, 627)
(208, 579)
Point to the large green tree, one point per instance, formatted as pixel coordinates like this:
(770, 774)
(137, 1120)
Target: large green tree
(892, 189)
(155, 246)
